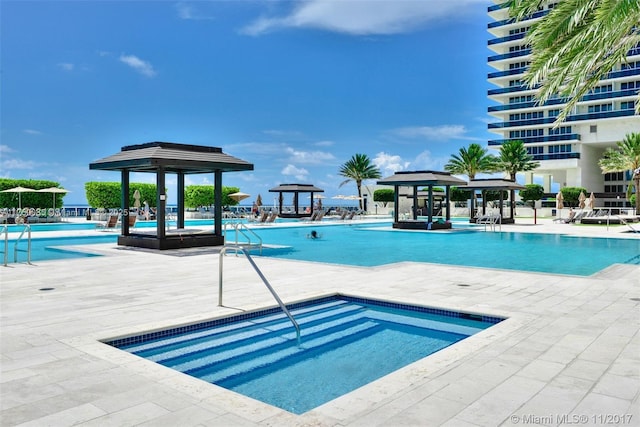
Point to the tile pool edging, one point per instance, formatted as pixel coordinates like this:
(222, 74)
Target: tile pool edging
(139, 337)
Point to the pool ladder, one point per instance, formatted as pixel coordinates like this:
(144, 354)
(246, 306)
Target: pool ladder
(16, 249)
(242, 229)
(240, 248)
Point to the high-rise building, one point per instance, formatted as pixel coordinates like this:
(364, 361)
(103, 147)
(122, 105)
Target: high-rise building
(569, 153)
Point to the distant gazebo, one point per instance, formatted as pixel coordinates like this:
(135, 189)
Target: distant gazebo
(415, 179)
(495, 184)
(296, 189)
(162, 158)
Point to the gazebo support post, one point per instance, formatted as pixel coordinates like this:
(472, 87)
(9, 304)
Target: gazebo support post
(160, 203)
(414, 208)
(447, 197)
(217, 209)
(430, 217)
(396, 202)
(180, 200)
(124, 203)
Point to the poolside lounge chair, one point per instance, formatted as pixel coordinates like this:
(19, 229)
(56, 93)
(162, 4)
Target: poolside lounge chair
(132, 220)
(271, 218)
(110, 223)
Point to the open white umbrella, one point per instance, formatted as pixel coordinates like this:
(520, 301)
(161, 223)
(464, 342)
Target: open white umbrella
(54, 191)
(581, 199)
(19, 190)
(239, 196)
(592, 200)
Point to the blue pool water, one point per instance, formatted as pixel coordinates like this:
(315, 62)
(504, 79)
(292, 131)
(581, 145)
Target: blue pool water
(346, 343)
(371, 246)
(57, 248)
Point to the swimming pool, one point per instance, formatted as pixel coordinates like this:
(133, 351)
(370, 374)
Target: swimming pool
(346, 342)
(366, 245)
(378, 244)
(58, 248)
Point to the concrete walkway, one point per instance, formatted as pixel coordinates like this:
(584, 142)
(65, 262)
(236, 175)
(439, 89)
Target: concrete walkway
(569, 352)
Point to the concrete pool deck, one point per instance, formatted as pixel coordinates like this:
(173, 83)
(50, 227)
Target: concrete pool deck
(569, 351)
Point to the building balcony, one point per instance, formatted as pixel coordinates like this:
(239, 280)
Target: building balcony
(509, 38)
(507, 73)
(511, 20)
(509, 55)
(570, 137)
(556, 156)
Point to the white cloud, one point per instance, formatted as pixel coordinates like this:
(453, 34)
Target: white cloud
(324, 143)
(389, 163)
(11, 164)
(32, 132)
(66, 66)
(143, 67)
(298, 173)
(188, 11)
(308, 157)
(363, 17)
(6, 149)
(440, 133)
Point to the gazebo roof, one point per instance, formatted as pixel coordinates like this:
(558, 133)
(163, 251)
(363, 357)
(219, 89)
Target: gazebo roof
(173, 157)
(417, 178)
(492, 184)
(296, 188)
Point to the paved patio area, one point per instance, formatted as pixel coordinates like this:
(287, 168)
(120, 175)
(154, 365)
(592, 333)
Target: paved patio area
(569, 352)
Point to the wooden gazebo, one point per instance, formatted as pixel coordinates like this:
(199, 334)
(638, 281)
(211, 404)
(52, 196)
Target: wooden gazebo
(296, 189)
(415, 179)
(181, 159)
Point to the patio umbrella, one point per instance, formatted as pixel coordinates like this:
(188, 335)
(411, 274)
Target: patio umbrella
(136, 199)
(54, 191)
(19, 190)
(581, 199)
(592, 200)
(239, 196)
(559, 200)
(259, 200)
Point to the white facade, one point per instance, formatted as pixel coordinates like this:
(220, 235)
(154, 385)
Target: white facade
(568, 154)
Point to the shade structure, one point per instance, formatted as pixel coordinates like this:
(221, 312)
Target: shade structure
(296, 189)
(239, 196)
(20, 190)
(559, 200)
(54, 191)
(581, 200)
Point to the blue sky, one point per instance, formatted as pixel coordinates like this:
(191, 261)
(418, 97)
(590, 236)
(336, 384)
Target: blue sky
(294, 87)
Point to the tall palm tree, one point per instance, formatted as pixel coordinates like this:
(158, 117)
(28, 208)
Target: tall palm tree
(625, 158)
(514, 158)
(471, 161)
(577, 44)
(357, 169)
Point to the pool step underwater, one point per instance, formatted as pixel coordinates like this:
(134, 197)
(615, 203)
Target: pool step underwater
(242, 350)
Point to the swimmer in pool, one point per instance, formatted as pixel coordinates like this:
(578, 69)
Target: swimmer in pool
(313, 235)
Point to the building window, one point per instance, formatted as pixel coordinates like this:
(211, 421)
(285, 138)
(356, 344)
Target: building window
(602, 89)
(630, 66)
(560, 130)
(600, 108)
(593, 129)
(630, 85)
(614, 176)
(535, 150)
(554, 113)
(627, 105)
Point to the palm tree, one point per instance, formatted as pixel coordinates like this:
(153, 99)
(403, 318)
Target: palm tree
(513, 159)
(357, 169)
(625, 158)
(471, 161)
(577, 44)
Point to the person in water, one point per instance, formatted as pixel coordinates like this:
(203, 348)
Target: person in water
(313, 235)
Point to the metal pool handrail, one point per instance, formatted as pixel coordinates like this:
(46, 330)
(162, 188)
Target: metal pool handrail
(240, 228)
(264, 280)
(5, 252)
(26, 228)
